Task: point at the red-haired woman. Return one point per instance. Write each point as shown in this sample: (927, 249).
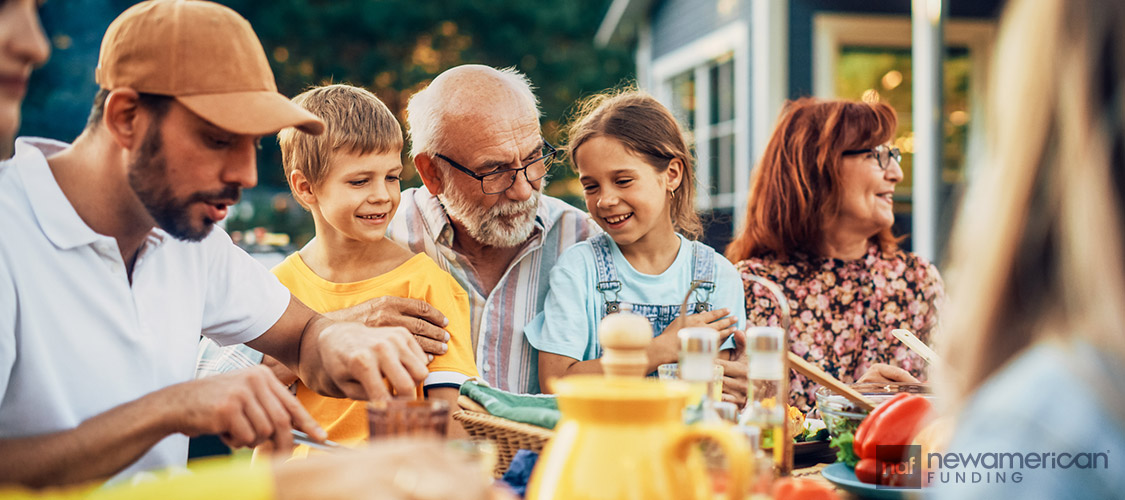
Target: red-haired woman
(819, 226)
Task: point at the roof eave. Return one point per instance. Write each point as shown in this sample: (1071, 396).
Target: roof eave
(621, 20)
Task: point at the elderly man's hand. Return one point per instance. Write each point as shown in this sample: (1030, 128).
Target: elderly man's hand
(352, 360)
(424, 321)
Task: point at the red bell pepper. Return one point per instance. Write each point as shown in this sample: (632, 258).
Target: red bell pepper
(895, 422)
(865, 471)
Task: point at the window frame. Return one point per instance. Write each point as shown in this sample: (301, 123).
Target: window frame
(698, 57)
(833, 31)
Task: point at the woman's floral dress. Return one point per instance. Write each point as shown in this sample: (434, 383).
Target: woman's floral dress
(844, 311)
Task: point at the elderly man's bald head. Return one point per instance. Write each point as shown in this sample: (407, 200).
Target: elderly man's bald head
(465, 94)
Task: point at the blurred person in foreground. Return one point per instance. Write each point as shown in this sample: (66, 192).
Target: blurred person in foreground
(818, 224)
(390, 470)
(1035, 347)
(117, 268)
(22, 47)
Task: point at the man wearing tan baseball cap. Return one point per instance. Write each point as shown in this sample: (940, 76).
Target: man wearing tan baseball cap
(207, 57)
(110, 267)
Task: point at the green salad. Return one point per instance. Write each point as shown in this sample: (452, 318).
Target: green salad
(845, 451)
(811, 433)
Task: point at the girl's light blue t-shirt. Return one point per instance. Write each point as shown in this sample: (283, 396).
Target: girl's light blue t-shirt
(568, 323)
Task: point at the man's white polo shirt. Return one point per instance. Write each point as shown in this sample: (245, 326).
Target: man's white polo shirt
(76, 339)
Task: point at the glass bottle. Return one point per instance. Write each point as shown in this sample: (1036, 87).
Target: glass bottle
(698, 348)
(765, 415)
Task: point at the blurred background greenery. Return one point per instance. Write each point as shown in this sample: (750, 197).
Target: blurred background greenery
(391, 47)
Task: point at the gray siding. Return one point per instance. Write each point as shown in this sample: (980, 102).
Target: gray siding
(676, 23)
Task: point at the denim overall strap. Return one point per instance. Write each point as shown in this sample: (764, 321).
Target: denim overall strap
(608, 283)
(660, 316)
(702, 276)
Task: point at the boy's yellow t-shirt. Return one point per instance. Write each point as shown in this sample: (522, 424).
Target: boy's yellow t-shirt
(420, 278)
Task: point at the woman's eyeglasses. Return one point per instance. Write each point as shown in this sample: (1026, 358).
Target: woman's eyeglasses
(882, 153)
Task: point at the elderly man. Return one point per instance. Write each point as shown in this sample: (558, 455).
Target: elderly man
(110, 267)
(482, 215)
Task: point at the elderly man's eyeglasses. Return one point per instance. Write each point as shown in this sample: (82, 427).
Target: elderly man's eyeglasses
(498, 181)
(882, 153)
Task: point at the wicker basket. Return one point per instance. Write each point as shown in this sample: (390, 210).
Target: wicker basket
(508, 435)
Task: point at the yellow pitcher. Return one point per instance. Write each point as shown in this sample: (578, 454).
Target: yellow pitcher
(622, 438)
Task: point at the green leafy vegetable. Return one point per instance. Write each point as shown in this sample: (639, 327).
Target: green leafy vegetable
(844, 449)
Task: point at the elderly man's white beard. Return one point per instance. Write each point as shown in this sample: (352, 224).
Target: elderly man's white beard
(505, 225)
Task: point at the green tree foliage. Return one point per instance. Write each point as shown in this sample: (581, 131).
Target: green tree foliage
(395, 47)
(391, 47)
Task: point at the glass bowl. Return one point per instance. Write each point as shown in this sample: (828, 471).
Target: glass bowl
(842, 416)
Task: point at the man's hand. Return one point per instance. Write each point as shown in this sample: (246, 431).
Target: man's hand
(344, 359)
(246, 407)
(351, 360)
(420, 318)
(881, 373)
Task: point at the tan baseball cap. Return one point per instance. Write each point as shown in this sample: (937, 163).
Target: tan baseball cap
(204, 55)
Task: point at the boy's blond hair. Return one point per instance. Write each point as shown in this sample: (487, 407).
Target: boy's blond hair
(355, 122)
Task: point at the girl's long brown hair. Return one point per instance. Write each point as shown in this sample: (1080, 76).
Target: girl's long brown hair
(647, 129)
(795, 188)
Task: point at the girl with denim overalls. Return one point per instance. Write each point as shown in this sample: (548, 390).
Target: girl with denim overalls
(636, 173)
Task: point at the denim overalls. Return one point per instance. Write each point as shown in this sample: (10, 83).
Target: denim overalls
(660, 315)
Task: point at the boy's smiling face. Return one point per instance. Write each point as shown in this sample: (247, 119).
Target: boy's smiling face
(359, 196)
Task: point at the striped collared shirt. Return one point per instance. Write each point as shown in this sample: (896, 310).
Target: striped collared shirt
(504, 358)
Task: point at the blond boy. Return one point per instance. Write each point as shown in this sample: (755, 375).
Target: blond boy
(348, 179)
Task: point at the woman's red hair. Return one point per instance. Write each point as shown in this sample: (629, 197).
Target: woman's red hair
(796, 186)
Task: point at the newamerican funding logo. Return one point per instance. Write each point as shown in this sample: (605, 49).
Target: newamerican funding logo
(905, 467)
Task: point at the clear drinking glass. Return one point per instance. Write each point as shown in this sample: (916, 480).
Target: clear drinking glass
(671, 371)
(407, 417)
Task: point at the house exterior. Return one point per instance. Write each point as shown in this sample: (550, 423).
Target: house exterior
(726, 67)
